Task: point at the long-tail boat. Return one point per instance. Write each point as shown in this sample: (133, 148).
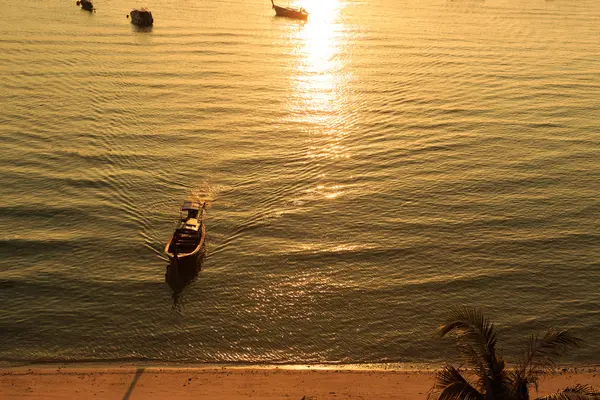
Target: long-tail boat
(290, 12)
(141, 17)
(188, 238)
(86, 5)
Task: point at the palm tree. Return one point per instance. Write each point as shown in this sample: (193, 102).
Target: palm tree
(476, 339)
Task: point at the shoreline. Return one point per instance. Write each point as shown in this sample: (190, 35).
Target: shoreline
(131, 381)
(395, 367)
(421, 367)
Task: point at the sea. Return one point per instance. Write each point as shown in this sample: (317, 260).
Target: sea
(365, 173)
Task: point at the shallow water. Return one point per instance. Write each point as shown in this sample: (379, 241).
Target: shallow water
(365, 172)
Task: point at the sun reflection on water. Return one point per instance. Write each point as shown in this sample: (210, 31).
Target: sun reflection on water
(319, 104)
(320, 37)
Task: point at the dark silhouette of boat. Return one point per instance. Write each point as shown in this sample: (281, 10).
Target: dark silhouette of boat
(290, 12)
(180, 276)
(188, 238)
(141, 17)
(86, 5)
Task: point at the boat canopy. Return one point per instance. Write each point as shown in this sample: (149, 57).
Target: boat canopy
(192, 224)
(190, 205)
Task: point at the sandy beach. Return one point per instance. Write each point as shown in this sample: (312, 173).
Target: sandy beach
(131, 382)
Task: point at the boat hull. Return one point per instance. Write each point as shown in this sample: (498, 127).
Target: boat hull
(188, 257)
(85, 5)
(141, 18)
(290, 13)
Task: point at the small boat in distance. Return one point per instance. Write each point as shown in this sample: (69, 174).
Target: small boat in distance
(141, 17)
(86, 5)
(290, 12)
(188, 238)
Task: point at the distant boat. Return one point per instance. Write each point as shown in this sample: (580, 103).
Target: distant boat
(188, 238)
(290, 12)
(86, 5)
(141, 17)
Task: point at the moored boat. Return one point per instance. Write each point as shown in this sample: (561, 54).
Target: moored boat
(86, 5)
(187, 240)
(141, 17)
(290, 12)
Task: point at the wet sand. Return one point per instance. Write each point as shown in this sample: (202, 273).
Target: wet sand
(227, 383)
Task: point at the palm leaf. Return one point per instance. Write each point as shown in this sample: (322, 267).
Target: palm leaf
(472, 329)
(450, 385)
(577, 392)
(479, 365)
(542, 353)
(476, 337)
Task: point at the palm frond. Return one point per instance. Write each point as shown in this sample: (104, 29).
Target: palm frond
(472, 327)
(478, 364)
(476, 337)
(577, 392)
(542, 353)
(450, 385)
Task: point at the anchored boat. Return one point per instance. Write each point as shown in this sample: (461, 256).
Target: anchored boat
(188, 238)
(141, 17)
(86, 5)
(290, 12)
